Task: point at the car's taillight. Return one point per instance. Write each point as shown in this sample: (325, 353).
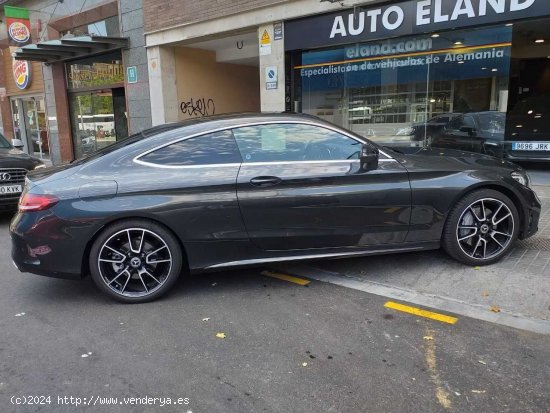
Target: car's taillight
(36, 202)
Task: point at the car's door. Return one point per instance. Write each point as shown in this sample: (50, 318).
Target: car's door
(191, 183)
(301, 186)
(461, 134)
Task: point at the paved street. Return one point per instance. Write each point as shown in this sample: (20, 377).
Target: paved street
(63, 338)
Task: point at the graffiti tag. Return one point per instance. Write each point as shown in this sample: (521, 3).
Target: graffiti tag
(198, 107)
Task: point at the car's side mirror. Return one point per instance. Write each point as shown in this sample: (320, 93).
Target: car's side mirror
(17, 143)
(369, 158)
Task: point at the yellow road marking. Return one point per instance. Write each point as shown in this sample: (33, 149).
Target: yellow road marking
(421, 313)
(284, 277)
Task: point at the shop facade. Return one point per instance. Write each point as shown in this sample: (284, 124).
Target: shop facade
(469, 76)
(81, 55)
(460, 74)
(23, 100)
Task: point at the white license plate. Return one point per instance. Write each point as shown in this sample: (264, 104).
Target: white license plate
(10, 189)
(531, 146)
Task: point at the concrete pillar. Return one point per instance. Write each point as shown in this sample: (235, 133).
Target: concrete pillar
(162, 85)
(272, 100)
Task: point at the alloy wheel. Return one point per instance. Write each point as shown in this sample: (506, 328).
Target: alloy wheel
(134, 262)
(485, 229)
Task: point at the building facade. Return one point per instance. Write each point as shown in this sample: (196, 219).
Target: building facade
(87, 84)
(464, 74)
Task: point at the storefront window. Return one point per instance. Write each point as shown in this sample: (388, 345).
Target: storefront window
(405, 93)
(95, 71)
(97, 102)
(97, 120)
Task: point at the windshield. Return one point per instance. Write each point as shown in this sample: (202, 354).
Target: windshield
(492, 122)
(4, 144)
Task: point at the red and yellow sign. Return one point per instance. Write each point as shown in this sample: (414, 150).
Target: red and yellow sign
(19, 31)
(19, 34)
(19, 25)
(22, 73)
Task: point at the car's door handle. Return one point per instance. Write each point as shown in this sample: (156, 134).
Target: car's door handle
(265, 181)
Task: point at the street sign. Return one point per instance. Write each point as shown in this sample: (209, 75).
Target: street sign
(278, 31)
(271, 77)
(131, 74)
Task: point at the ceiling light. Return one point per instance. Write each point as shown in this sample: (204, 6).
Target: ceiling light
(432, 100)
(494, 70)
(435, 35)
(509, 24)
(458, 43)
(530, 112)
(539, 41)
(461, 63)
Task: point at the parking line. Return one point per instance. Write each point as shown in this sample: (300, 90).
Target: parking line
(421, 313)
(284, 277)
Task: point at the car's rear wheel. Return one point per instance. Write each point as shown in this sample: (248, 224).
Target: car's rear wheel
(135, 261)
(481, 228)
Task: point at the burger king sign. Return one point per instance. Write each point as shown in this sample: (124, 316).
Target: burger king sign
(22, 73)
(19, 32)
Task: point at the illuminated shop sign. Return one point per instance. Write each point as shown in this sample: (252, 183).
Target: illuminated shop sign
(405, 18)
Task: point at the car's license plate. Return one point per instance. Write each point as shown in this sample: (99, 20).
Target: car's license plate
(10, 189)
(531, 146)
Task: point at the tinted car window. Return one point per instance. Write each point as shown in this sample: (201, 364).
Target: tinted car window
(441, 119)
(212, 148)
(469, 122)
(294, 142)
(456, 123)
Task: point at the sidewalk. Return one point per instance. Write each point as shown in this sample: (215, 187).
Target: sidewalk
(518, 286)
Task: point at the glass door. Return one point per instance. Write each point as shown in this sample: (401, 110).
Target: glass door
(34, 119)
(98, 120)
(30, 126)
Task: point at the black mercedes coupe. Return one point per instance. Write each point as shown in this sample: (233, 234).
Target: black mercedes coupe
(253, 189)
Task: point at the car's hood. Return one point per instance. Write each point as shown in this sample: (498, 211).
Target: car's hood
(451, 159)
(12, 153)
(14, 158)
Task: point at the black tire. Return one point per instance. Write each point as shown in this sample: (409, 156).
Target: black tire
(464, 245)
(122, 256)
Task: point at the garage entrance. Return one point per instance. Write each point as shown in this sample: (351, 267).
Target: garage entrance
(217, 76)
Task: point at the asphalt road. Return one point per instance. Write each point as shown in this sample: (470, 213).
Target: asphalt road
(64, 339)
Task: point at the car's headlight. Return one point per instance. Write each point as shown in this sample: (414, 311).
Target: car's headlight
(39, 166)
(522, 178)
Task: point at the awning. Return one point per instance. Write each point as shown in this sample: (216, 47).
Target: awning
(68, 48)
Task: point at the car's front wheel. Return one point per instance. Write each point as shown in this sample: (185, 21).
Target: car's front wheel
(135, 261)
(481, 228)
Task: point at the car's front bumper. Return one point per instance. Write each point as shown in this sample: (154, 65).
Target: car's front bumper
(531, 213)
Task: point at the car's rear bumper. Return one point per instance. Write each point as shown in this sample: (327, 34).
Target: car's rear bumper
(27, 259)
(41, 245)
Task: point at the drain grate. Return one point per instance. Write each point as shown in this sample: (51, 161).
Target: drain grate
(538, 244)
